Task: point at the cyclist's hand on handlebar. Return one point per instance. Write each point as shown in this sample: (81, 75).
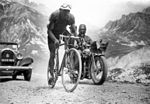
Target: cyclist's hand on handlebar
(56, 42)
(76, 45)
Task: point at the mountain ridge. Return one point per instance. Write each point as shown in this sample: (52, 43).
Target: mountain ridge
(24, 25)
(129, 47)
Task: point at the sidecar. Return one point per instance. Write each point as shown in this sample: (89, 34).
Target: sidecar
(12, 62)
(99, 46)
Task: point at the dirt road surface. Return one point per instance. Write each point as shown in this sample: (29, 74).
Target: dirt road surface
(37, 92)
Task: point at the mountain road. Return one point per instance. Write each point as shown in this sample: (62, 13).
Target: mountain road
(37, 91)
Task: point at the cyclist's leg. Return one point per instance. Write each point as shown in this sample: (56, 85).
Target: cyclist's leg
(51, 60)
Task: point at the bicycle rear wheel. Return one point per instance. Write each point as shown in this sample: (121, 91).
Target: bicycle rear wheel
(71, 70)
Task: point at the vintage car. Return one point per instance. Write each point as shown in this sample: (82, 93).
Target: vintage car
(12, 61)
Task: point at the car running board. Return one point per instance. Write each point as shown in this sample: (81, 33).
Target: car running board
(15, 68)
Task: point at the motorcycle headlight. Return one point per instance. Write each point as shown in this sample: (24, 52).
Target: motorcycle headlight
(86, 52)
(19, 56)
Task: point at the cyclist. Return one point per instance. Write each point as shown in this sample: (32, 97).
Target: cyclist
(58, 22)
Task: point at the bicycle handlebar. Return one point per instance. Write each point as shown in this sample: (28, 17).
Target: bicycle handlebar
(73, 37)
(68, 38)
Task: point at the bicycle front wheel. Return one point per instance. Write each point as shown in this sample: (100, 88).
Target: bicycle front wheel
(71, 70)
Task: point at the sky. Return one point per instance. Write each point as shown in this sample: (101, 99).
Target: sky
(97, 13)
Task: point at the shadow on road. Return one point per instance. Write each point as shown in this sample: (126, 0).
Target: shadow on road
(86, 82)
(9, 79)
(56, 88)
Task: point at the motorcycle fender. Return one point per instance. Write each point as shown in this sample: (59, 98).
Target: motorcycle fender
(93, 62)
(26, 61)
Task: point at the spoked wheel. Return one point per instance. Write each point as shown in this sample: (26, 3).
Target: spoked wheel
(27, 75)
(71, 71)
(53, 76)
(99, 70)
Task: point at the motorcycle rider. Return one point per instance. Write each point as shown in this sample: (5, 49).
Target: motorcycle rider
(58, 22)
(84, 39)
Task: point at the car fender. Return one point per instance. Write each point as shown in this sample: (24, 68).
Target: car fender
(26, 61)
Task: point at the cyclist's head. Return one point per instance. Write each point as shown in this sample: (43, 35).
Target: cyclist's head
(82, 29)
(65, 9)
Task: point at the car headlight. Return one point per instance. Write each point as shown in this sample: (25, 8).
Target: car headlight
(19, 56)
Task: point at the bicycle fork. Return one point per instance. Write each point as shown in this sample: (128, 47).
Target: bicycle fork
(64, 62)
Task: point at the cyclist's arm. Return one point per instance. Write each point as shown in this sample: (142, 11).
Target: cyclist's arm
(72, 25)
(50, 27)
(73, 29)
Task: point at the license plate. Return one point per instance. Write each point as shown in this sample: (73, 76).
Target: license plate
(7, 60)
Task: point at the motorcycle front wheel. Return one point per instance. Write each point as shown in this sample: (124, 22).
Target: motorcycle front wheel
(99, 70)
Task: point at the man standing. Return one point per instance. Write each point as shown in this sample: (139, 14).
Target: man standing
(58, 22)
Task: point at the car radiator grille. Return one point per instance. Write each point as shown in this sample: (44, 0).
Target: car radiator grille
(7, 58)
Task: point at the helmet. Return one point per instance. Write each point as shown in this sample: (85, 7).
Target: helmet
(82, 29)
(65, 7)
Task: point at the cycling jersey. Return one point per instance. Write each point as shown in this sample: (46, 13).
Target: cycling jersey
(60, 23)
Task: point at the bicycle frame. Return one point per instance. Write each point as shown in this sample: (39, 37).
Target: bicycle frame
(71, 65)
(66, 50)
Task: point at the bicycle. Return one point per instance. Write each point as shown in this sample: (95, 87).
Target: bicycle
(70, 68)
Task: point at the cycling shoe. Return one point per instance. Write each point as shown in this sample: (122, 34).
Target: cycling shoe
(51, 81)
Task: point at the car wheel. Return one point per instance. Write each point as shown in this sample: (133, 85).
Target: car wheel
(14, 75)
(27, 75)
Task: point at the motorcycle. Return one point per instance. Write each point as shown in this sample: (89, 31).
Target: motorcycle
(94, 65)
